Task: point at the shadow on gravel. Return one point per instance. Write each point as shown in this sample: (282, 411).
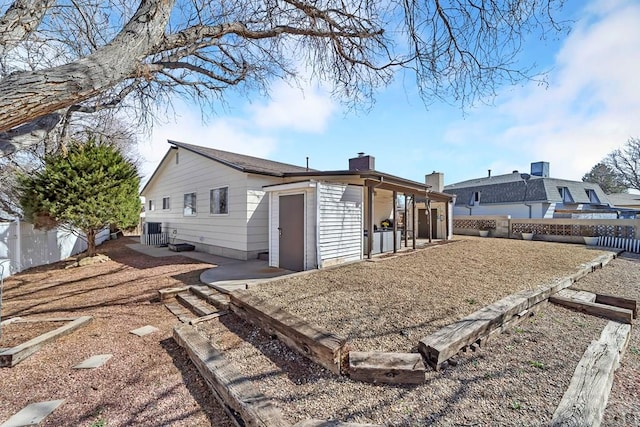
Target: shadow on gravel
(196, 385)
(298, 368)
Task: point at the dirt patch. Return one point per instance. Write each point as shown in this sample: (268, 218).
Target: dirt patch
(390, 305)
(149, 381)
(15, 333)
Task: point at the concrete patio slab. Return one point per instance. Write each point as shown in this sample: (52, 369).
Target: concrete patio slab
(32, 414)
(145, 330)
(93, 361)
(160, 252)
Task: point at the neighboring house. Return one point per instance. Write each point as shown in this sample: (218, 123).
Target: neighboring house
(625, 200)
(530, 195)
(241, 206)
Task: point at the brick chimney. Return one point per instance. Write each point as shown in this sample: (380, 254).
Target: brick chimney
(362, 163)
(435, 180)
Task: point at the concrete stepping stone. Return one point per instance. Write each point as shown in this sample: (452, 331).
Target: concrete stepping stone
(32, 414)
(93, 361)
(145, 330)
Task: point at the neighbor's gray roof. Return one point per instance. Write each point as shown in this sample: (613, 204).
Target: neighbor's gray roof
(242, 162)
(624, 199)
(510, 188)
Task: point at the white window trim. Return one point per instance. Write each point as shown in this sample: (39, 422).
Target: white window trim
(228, 198)
(169, 208)
(196, 205)
(151, 205)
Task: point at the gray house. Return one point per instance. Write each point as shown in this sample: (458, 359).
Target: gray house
(530, 195)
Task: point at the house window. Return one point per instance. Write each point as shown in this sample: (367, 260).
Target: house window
(219, 200)
(152, 205)
(189, 204)
(177, 158)
(165, 203)
(593, 197)
(565, 195)
(475, 198)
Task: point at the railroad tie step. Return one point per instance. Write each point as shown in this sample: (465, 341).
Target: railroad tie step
(178, 310)
(195, 304)
(213, 297)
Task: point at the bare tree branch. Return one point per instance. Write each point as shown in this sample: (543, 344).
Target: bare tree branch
(459, 50)
(20, 20)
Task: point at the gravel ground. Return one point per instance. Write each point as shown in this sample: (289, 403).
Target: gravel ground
(149, 381)
(390, 305)
(621, 278)
(14, 334)
(517, 379)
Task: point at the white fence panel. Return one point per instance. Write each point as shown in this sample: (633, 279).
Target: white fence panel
(22, 246)
(9, 246)
(630, 245)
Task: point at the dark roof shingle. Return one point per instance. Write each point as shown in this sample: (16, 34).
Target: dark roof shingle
(243, 162)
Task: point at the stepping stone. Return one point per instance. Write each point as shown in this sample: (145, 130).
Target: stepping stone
(32, 414)
(93, 362)
(145, 330)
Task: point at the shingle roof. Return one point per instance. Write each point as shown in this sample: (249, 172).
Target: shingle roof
(242, 162)
(511, 188)
(624, 199)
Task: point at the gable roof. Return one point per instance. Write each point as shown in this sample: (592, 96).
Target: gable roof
(256, 165)
(511, 188)
(241, 162)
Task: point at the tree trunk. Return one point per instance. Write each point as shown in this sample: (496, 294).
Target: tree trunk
(22, 18)
(29, 95)
(91, 242)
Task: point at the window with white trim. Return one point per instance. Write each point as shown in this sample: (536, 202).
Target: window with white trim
(189, 204)
(152, 205)
(219, 201)
(165, 203)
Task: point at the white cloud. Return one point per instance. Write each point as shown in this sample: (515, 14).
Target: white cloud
(305, 109)
(256, 133)
(592, 103)
(225, 133)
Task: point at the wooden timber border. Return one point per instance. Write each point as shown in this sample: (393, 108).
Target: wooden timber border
(238, 396)
(15, 355)
(322, 347)
(471, 330)
(585, 400)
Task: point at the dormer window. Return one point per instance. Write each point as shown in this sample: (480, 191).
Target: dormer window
(475, 198)
(593, 197)
(565, 195)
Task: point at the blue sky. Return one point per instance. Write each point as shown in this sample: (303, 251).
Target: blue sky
(590, 107)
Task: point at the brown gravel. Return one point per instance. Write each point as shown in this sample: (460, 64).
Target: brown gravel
(392, 304)
(621, 278)
(14, 334)
(516, 380)
(148, 382)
